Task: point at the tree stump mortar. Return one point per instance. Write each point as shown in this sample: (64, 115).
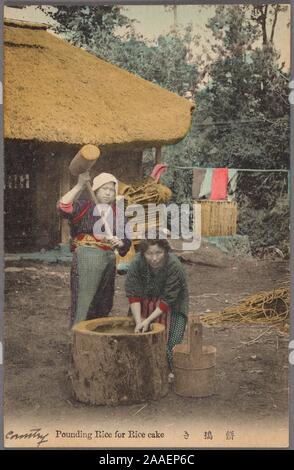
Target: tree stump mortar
(111, 365)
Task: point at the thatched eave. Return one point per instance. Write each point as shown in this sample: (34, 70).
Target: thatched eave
(55, 92)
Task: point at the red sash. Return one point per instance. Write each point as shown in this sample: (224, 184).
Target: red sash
(85, 209)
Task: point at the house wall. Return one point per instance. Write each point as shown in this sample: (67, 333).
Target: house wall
(125, 165)
(31, 220)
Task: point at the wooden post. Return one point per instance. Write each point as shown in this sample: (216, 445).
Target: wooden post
(64, 188)
(157, 155)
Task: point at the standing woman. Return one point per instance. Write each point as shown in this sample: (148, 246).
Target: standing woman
(94, 262)
(157, 290)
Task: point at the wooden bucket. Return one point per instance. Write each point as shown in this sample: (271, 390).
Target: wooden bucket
(194, 364)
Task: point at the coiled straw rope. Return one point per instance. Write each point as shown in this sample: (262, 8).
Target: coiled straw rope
(264, 308)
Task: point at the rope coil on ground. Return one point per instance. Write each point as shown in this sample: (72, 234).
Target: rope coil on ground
(264, 307)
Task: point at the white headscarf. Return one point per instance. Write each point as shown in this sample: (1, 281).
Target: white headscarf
(102, 179)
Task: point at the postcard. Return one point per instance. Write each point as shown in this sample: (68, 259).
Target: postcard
(146, 225)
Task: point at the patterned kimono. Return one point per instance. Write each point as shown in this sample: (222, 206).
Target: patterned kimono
(94, 263)
(165, 288)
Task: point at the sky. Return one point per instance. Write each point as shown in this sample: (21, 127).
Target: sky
(153, 20)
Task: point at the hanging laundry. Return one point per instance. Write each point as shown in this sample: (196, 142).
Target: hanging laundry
(232, 185)
(198, 177)
(206, 185)
(224, 179)
(158, 171)
(219, 185)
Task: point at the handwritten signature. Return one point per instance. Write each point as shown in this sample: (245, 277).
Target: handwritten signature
(35, 433)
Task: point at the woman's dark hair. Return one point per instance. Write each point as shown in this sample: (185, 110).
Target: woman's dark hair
(162, 243)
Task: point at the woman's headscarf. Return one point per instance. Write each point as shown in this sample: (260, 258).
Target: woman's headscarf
(102, 179)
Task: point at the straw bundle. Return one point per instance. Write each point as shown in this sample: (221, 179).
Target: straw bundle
(264, 307)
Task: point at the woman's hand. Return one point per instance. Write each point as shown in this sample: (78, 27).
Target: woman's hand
(138, 327)
(116, 242)
(143, 326)
(71, 195)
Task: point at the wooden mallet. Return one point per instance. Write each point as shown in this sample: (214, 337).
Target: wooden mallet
(83, 161)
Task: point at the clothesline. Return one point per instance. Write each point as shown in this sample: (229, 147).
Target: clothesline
(221, 183)
(242, 123)
(237, 169)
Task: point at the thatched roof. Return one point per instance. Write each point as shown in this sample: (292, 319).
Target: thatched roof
(55, 92)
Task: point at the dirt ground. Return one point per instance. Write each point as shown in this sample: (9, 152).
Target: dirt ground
(252, 379)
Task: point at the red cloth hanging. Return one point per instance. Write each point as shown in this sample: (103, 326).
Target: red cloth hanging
(158, 171)
(219, 185)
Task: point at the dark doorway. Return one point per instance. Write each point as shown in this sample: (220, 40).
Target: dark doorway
(19, 205)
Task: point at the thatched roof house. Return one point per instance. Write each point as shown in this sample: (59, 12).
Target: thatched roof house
(59, 97)
(59, 93)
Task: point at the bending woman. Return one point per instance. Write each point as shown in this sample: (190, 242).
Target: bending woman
(94, 262)
(157, 290)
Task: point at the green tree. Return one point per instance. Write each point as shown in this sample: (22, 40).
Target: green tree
(165, 62)
(106, 32)
(242, 120)
(244, 108)
(85, 26)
